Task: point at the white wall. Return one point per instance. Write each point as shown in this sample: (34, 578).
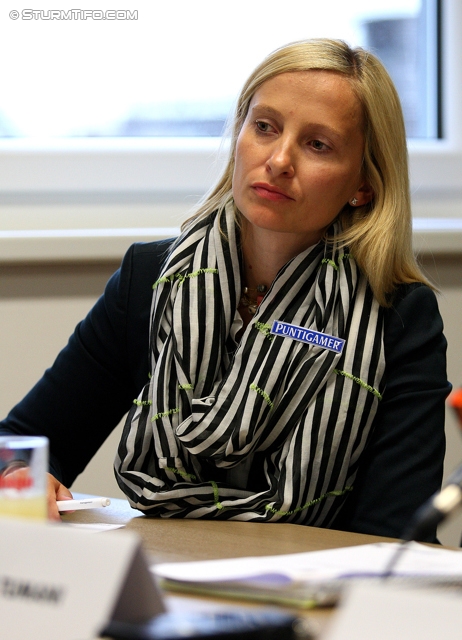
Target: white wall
(39, 308)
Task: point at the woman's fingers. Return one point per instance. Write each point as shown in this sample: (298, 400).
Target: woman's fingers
(56, 491)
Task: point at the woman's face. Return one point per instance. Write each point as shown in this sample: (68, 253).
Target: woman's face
(299, 154)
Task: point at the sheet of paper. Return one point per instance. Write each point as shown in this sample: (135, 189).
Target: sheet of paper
(95, 527)
(417, 560)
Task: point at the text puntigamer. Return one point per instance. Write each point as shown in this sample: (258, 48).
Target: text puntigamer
(307, 335)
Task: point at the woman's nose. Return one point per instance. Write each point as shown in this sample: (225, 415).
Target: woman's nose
(281, 159)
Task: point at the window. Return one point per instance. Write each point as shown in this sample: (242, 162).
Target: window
(174, 69)
(84, 101)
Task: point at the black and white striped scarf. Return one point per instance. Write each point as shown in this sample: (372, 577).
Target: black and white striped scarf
(214, 409)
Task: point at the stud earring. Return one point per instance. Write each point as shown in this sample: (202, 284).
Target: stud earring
(354, 202)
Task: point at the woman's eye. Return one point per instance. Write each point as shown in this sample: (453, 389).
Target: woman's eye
(318, 145)
(264, 127)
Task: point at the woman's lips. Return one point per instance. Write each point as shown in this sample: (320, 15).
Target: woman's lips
(268, 192)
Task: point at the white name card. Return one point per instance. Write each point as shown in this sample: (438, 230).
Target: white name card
(384, 612)
(59, 583)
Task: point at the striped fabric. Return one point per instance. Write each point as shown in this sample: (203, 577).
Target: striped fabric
(214, 408)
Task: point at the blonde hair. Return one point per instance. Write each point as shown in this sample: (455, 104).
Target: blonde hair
(378, 234)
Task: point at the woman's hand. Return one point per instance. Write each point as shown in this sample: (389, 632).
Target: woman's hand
(56, 491)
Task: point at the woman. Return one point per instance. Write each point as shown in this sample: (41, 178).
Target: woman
(296, 357)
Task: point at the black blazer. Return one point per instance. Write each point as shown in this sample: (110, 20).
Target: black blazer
(95, 378)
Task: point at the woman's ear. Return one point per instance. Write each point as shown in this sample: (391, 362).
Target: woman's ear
(362, 196)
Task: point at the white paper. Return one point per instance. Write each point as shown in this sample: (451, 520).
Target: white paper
(417, 560)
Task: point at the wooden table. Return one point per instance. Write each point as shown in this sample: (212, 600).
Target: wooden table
(167, 540)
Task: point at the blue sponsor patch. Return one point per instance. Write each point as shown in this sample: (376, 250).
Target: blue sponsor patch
(323, 340)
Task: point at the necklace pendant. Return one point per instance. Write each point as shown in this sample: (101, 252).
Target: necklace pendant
(248, 303)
